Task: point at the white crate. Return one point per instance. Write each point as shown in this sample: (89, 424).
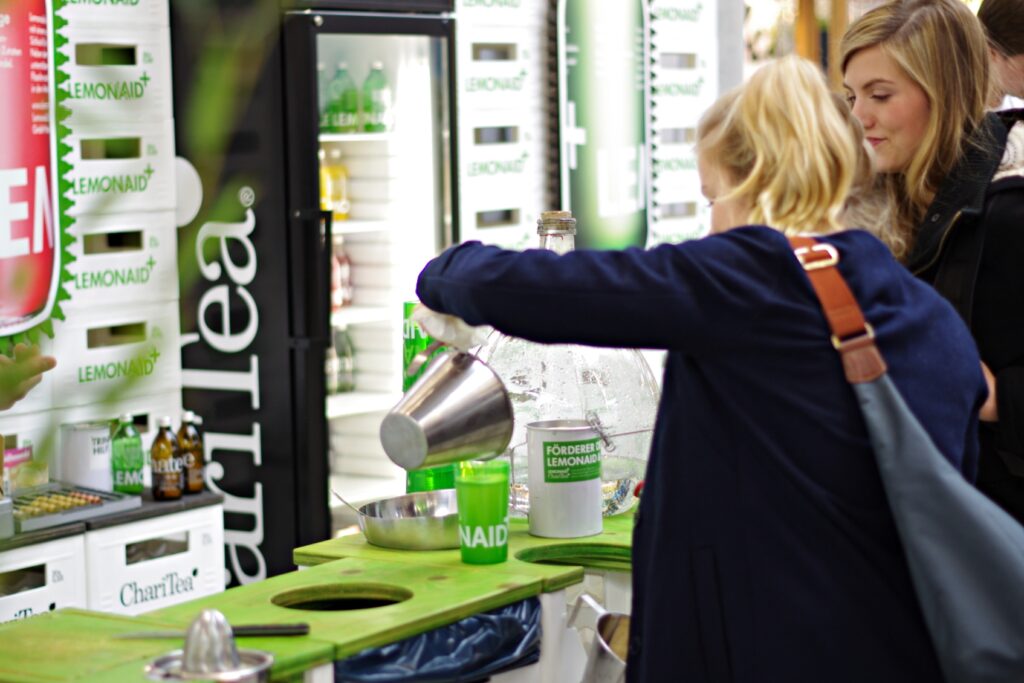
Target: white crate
(693, 24)
(107, 14)
(60, 565)
(137, 88)
(510, 222)
(131, 258)
(119, 352)
(193, 567)
(483, 13)
(500, 68)
(40, 398)
(119, 185)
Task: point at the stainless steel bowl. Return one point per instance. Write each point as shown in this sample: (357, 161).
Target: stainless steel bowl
(416, 521)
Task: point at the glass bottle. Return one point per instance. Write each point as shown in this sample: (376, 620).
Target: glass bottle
(128, 460)
(339, 203)
(168, 477)
(376, 100)
(332, 367)
(346, 353)
(341, 109)
(341, 277)
(613, 389)
(326, 183)
(190, 443)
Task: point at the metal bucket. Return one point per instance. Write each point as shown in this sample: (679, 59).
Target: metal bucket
(606, 661)
(458, 410)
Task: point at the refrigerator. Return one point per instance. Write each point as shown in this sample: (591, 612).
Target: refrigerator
(259, 247)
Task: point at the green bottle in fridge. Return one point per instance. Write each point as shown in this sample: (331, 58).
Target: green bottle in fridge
(376, 100)
(414, 340)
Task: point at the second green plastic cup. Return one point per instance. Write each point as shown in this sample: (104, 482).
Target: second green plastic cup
(481, 488)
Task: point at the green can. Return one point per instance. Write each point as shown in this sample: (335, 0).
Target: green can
(413, 342)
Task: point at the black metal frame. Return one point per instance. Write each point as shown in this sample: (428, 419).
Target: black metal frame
(309, 233)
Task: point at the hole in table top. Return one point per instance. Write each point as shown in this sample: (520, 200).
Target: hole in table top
(340, 597)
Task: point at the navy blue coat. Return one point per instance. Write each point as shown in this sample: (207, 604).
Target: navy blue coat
(764, 550)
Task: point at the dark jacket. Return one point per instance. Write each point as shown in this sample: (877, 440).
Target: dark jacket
(970, 246)
(764, 549)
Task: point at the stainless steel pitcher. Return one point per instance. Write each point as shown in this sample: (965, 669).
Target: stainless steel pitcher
(606, 660)
(458, 410)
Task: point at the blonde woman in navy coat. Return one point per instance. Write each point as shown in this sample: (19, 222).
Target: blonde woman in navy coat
(764, 549)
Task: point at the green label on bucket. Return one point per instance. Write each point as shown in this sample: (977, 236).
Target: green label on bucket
(566, 461)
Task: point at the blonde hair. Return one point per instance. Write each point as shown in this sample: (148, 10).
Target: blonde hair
(783, 142)
(941, 46)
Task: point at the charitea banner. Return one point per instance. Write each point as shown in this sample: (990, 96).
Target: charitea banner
(604, 72)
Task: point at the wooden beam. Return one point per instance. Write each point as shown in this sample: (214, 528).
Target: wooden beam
(806, 37)
(837, 24)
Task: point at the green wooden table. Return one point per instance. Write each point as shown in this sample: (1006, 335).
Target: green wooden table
(557, 562)
(428, 596)
(70, 644)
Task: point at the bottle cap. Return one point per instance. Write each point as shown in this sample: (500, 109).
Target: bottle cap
(165, 421)
(125, 418)
(377, 65)
(552, 222)
(187, 416)
(197, 420)
(342, 65)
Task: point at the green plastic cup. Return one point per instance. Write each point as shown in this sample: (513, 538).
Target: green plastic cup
(481, 488)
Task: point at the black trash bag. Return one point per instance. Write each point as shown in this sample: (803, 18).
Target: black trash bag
(469, 650)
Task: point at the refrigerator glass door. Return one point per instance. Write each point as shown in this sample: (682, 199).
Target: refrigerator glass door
(384, 158)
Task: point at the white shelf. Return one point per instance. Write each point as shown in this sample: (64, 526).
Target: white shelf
(348, 227)
(356, 137)
(354, 315)
(359, 489)
(359, 403)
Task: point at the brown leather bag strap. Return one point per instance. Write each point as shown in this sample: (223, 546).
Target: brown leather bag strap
(852, 335)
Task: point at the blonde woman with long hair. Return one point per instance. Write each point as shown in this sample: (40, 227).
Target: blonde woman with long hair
(763, 546)
(917, 76)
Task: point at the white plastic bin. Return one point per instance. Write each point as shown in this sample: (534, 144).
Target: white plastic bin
(108, 14)
(123, 258)
(189, 564)
(117, 352)
(117, 73)
(43, 577)
(121, 167)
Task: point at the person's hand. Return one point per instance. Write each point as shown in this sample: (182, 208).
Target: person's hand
(20, 372)
(451, 331)
(990, 409)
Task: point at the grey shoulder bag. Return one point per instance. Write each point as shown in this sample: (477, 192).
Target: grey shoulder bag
(966, 556)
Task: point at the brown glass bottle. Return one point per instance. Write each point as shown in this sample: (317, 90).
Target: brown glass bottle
(190, 442)
(168, 476)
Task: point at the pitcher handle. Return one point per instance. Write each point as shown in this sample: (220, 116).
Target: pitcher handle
(585, 613)
(421, 358)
